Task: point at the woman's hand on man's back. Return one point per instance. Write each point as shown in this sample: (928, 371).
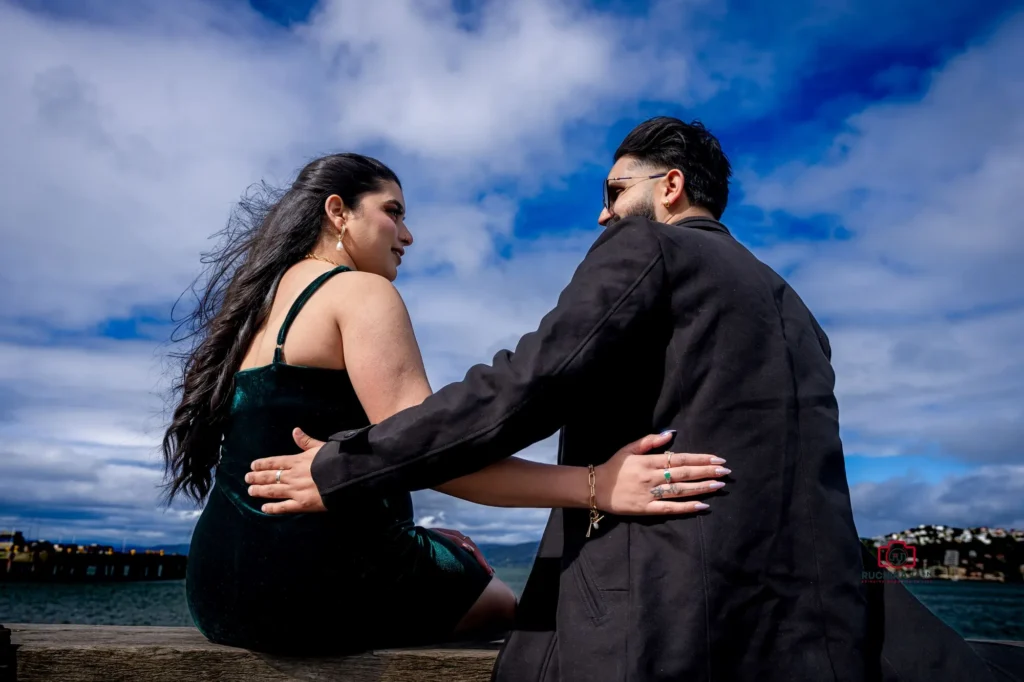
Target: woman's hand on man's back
(634, 482)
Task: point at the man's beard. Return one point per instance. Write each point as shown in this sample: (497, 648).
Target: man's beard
(644, 208)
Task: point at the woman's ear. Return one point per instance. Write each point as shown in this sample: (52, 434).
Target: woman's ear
(334, 207)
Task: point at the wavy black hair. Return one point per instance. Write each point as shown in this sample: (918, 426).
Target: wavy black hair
(269, 231)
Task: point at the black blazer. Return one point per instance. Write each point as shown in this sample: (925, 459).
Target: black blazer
(664, 326)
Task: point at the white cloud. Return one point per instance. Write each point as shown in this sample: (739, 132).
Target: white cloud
(460, 235)
(925, 303)
(79, 430)
(411, 76)
(120, 367)
(96, 491)
(950, 385)
(127, 145)
(482, 524)
(990, 496)
(461, 321)
(929, 189)
(123, 151)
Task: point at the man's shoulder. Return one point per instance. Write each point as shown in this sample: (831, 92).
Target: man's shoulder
(630, 232)
(640, 229)
(643, 228)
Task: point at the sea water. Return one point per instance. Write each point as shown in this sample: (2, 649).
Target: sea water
(977, 610)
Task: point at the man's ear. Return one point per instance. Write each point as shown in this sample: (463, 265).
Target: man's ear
(675, 186)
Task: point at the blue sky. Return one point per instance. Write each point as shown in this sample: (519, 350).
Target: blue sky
(878, 148)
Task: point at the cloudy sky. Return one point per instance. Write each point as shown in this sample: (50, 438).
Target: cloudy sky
(879, 150)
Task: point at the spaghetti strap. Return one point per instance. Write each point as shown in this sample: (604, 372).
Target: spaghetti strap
(297, 306)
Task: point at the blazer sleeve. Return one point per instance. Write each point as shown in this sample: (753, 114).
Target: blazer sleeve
(521, 397)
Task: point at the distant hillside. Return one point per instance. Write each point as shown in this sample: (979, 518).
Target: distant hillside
(510, 556)
(170, 549)
(980, 553)
(505, 556)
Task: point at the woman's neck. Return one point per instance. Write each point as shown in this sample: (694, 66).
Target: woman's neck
(329, 253)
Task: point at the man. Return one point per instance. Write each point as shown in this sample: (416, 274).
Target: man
(668, 322)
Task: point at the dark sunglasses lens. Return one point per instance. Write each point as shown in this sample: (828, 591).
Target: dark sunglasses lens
(610, 195)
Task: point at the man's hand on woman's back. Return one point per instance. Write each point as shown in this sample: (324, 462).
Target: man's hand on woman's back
(287, 478)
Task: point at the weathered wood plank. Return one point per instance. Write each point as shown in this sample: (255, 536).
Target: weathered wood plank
(78, 653)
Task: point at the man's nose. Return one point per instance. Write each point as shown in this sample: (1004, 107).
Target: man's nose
(605, 216)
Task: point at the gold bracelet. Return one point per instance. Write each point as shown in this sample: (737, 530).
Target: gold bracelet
(595, 516)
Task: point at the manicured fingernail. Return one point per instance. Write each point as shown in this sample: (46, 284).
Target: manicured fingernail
(701, 506)
(263, 509)
(666, 432)
(249, 490)
(248, 478)
(722, 471)
(717, 460)
(716, 484)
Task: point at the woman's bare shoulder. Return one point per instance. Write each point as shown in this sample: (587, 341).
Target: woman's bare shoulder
(362, 295)
(365, 283)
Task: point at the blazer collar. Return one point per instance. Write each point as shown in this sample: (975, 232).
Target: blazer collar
(701, 223)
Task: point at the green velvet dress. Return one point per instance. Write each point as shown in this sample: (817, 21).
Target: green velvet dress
(337, 582)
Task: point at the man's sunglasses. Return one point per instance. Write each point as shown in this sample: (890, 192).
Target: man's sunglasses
(612, 193)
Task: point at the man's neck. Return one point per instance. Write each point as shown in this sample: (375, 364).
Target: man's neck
(688, 212)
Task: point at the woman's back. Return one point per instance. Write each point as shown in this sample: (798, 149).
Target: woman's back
(338, 566)
(238, 551)
(271, 398)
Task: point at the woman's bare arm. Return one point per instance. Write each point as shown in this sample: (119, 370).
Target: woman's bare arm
(385, 365)
(515, 482)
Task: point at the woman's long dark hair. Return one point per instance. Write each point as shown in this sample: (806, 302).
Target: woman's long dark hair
(268, 232)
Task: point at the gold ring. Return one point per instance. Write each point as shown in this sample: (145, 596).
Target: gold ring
(668, 464)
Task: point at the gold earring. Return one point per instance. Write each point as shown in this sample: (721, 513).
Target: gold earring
(341, 233)
(666, 203)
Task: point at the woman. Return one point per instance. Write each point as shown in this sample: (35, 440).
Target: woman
(300, 324)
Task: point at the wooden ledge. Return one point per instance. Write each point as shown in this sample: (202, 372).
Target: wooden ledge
(76, 653)
(80, 653)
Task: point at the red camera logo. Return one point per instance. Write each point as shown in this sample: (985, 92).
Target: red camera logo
(897, 554)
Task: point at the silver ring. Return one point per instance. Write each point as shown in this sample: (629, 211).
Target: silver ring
(277, 477)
